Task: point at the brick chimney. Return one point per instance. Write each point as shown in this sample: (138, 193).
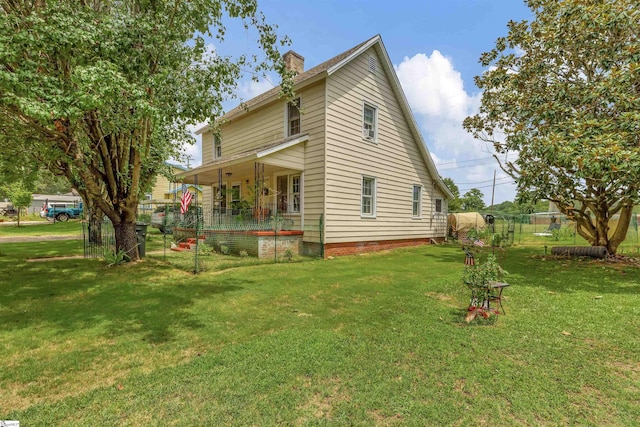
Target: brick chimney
(294, 62)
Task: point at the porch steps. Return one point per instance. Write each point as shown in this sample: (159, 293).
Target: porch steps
(187, 245)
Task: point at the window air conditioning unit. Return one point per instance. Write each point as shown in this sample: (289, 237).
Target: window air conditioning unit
(369, 133)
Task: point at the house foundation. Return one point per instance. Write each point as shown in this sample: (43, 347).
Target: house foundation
(260, 244)
(352, 248)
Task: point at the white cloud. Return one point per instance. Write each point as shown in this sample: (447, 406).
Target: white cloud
(436, 94)
(210, 52)
(250, 89)
(436, 88)
(193, 151)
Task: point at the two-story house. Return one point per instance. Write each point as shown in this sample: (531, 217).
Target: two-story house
(165, 190)
(344, 161)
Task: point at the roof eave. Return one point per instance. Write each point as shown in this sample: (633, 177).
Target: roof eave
(371, 42)
(263, 103)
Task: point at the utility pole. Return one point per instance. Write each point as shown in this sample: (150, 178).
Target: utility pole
(188, 158)
(493, 190)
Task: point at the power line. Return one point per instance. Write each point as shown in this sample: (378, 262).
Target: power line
(483, 186)
(463, 161)
(481, 182)
(465, 166)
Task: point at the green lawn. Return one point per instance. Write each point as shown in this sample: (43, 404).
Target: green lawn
(45, 228)
(364, 340)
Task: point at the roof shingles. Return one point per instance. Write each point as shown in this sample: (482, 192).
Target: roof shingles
(301, 78)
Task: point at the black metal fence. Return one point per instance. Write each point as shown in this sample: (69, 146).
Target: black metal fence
(98, 238)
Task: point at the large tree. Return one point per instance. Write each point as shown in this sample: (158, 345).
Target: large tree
(561, 105)
(472, 201)
(455, 203)
(101, 91)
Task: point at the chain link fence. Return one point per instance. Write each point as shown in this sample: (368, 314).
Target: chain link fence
(197, 242)
(206, 239)
(539, 229)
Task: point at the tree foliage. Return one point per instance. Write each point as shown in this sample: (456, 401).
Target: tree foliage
(454, 203)
(472, 201)
(561, 103)
(47, 183)
(511, 208)
(100, 92)
(20, 195)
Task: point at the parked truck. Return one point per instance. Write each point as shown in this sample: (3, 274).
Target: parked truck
(62, 211)
(9, 211)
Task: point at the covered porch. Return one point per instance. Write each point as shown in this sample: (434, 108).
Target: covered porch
(257, 190)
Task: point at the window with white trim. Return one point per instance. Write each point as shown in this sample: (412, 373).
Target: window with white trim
(217, 147)
(289, 190)
(368, 204)
(293, 117)
(369, 122)
(235, 195)
(147, 206)
(417, 201)
(438, 205)
(295, 193)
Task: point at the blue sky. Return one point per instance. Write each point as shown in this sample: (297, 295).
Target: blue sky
(434, 46)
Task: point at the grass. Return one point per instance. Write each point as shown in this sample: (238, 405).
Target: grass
(45, 228)
(367, 340)
(525, 235)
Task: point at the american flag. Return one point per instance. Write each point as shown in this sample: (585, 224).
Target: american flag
(185, 200)
(479, 243)
(468, 258)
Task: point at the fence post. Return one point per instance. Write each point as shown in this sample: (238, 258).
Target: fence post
(321, 225)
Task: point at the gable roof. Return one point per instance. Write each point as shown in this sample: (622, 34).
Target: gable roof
(328, 68)
(408, 114)
(179, 188)
(299, 81)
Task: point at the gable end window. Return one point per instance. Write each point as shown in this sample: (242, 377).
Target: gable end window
(369, 122)
(368, 203)
(293, 117)
(417, 201)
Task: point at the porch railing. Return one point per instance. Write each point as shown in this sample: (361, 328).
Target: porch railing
(238, 219)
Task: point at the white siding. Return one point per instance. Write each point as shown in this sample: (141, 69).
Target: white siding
(207, 147)
(291, 158)
(265, 126)
(394, 160)
(313, 121)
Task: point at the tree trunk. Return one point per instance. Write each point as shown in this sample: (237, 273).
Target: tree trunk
(126, 239)
(620, 233)
(596, 230)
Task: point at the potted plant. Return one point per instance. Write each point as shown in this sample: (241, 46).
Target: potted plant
(478, 278)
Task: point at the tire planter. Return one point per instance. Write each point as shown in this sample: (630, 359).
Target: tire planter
(576, 251)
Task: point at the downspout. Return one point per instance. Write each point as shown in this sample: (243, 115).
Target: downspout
(433, 201)
(323, 216)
